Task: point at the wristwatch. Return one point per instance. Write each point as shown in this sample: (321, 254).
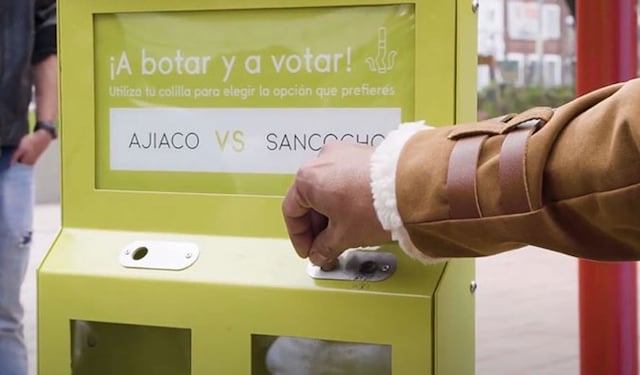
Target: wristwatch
(48, 127)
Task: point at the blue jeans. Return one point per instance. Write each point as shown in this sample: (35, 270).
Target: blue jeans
(16, 216)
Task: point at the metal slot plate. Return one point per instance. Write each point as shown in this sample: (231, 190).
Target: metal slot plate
(358, 265)
(160, 255)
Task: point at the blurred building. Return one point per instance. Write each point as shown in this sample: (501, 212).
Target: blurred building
(525, 42)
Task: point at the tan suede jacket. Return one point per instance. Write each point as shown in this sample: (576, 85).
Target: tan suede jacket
(566, 179)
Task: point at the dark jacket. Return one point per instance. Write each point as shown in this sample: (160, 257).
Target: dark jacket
(566, 179)
(27, 36)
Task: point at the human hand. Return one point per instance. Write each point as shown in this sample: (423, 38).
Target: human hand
(31, 147)
(329, 207)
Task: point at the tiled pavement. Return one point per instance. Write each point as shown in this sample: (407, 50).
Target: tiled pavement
(526, 307)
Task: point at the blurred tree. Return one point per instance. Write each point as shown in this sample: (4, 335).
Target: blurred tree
(499, 100)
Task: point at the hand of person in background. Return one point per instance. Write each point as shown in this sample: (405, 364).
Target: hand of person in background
(31, 147)
(329, 208)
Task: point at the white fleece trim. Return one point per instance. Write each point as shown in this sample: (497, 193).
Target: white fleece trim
(384, 162)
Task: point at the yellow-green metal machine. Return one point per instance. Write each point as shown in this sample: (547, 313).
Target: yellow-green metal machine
(183, 123)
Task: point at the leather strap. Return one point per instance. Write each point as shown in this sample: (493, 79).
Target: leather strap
(514, 191)
(461, 178)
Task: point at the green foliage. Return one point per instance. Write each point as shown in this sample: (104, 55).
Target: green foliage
(498, 100)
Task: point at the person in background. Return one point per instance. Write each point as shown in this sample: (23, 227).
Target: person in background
(27, 59)
(564, 179)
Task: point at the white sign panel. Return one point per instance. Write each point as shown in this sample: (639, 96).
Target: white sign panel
(255, 140)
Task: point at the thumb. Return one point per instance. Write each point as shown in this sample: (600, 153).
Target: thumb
(17, 155)
(325, 249)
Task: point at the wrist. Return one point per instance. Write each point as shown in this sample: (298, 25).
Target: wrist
(46, 127)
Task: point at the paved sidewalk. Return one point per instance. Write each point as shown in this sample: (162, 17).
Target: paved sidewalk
(527, 314)
(46, 226)
(527, 321)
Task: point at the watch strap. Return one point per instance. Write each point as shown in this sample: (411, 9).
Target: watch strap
(48, 127)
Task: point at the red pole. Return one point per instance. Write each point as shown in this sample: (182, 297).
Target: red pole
(607, 53)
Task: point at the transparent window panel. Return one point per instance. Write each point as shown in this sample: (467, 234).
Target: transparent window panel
(99, 348)
(282, 355)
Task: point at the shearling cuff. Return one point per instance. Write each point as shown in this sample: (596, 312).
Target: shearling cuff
(383, 186)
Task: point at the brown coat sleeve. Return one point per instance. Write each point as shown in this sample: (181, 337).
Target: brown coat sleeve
(566, 179)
